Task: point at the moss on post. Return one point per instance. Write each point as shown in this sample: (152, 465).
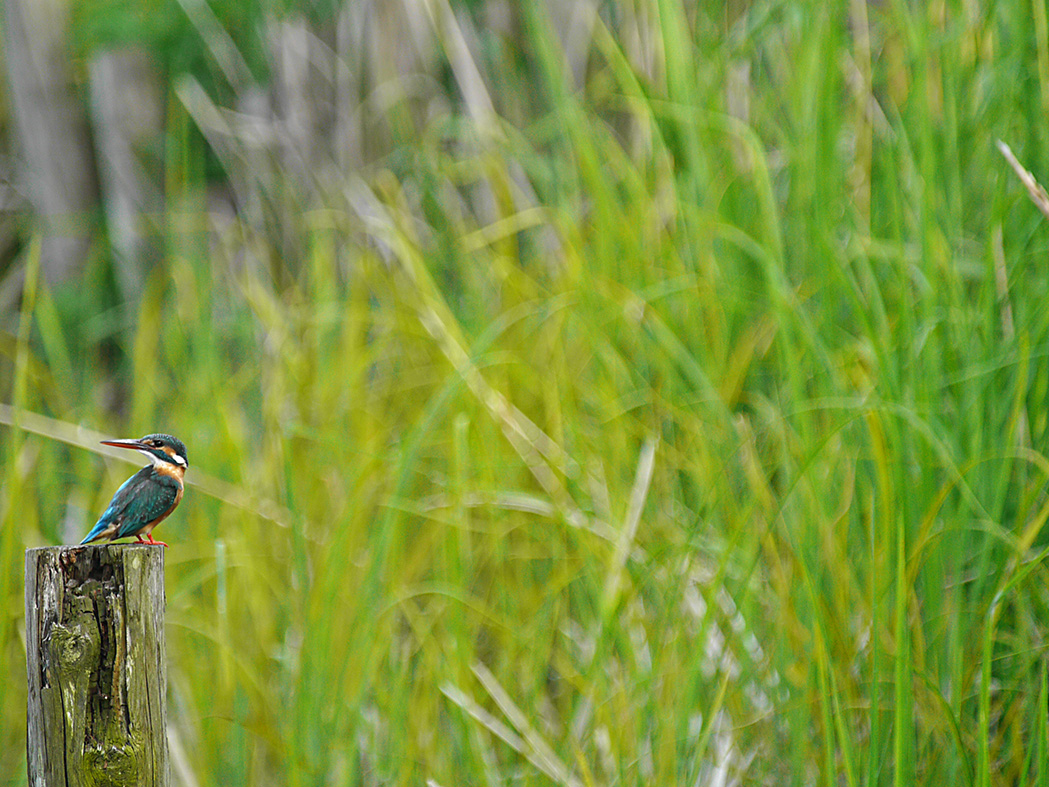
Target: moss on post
(96, 667)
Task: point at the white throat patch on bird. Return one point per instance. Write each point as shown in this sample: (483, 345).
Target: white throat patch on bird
(171, 457)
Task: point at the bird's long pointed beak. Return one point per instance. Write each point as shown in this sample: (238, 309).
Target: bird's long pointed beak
(132, 444)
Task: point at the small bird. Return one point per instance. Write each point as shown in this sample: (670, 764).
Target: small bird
(145, 499)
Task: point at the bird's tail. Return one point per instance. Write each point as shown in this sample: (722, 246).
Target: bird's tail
(96, 532)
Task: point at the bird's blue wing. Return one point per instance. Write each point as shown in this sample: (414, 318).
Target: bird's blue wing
(117, 510)
(154, 500)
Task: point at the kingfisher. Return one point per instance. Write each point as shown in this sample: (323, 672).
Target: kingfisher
(144, 500)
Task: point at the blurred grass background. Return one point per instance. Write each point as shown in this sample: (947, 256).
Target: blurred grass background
(640, 392)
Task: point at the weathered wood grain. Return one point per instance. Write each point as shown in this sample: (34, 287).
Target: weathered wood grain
(96, 666)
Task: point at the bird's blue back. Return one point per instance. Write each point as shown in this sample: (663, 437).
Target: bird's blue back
(139, 500)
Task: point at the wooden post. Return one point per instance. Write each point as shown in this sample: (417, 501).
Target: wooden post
(97, 672)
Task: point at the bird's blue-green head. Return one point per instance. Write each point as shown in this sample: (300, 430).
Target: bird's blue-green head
(162, 449)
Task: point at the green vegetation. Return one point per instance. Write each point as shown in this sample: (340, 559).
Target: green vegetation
(689, 419)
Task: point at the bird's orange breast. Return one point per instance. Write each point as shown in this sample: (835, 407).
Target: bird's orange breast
(172, 471)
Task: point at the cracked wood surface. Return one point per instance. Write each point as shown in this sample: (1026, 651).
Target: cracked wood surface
(96, 666)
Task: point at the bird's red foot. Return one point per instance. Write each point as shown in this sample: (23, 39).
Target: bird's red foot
(149, 540)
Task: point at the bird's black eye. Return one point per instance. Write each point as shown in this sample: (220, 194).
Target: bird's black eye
(157, 443)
